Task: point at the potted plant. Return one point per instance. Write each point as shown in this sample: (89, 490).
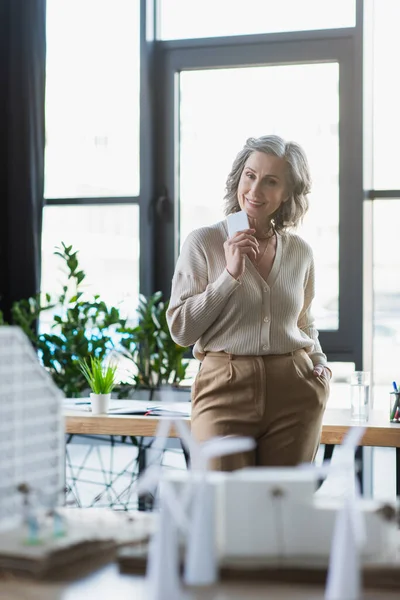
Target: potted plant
(101, 380)
(80, 326)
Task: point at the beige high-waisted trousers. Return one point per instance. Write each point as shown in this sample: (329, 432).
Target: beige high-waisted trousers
(275, 399)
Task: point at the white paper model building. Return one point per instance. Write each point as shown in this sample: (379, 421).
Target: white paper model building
(31, 429)
(266, 513)
(276, 513)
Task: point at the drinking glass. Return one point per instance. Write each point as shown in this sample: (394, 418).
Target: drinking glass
(360, 386)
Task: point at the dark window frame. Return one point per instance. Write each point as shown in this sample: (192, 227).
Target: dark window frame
(316, 46)
(158, 218)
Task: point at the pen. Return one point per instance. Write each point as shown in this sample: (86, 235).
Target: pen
(394, 384)
(76, 403)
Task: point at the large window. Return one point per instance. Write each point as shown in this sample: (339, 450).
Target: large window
(92, 98)
(190, 99)
(107, 240)
(386, 277)
(92, 167)
(216, 94)
(386, 125)
(385, 213)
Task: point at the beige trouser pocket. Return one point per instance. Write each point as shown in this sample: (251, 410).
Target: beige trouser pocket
(275, 399)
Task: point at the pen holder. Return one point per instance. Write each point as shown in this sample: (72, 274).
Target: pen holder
(359, 403)
(394, 406)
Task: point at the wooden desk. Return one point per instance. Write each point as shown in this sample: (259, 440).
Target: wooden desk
(379, 431)
(88, 424)
(107, 583)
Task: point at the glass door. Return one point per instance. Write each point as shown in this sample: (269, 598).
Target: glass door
(301, 91)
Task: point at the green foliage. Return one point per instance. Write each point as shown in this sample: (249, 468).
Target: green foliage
(80, 328)
(141, 344)
(150, 346)
(83, 330)
(101, 379)
(173, 355)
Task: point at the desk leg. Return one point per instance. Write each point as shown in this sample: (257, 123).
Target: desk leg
(328, 452)
(359, 457)
(398, 472)
(144, 450)
(147, 456)
(142, 463)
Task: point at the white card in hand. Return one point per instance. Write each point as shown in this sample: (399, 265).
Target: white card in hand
(237, 222)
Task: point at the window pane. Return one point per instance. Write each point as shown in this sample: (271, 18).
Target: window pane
(339, 396)
(92, 98)
(107, 238)
(208, 18)
(386, 94)
(386, 282)
(214, 127)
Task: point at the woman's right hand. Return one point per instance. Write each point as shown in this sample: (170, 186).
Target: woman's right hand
(242, 244)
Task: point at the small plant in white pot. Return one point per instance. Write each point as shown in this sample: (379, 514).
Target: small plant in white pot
(101, 380)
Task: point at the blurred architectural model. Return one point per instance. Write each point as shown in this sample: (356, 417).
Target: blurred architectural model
(31, 432)
(274, 513)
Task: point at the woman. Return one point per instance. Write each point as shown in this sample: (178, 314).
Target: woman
(245, 303)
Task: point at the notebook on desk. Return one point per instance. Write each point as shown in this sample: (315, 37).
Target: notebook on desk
(134, 407)
(150, 411)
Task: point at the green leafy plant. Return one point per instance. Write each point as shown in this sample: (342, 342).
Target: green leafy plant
(158, 359)
(173, 354)
(101, 378)
(79, 328)
(140, 343)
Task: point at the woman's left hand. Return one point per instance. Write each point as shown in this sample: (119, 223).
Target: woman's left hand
(320, 370)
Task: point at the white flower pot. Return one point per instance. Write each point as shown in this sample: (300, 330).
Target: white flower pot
(100, 403)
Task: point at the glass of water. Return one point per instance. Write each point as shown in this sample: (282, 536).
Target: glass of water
(360, 383)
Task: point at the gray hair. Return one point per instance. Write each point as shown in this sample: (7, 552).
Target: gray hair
(291, 212)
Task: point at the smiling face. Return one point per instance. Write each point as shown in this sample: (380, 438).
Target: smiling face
(262, 186)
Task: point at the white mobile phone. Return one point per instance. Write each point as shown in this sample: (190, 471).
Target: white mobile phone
(237, 222)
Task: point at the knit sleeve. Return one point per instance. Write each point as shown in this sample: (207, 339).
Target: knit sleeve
(306, 319)
(195, 302)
